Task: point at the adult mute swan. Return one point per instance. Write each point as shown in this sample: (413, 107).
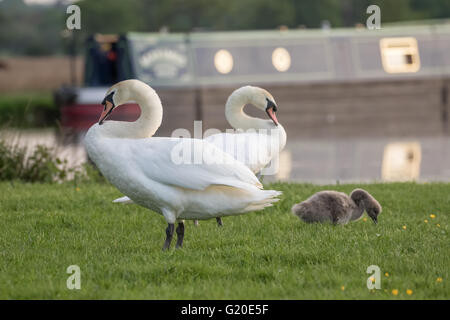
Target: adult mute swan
(257, 141)
(149, 173)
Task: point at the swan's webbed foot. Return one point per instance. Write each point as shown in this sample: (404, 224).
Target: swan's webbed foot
(180, 235)
(169, 236)
(219, 221)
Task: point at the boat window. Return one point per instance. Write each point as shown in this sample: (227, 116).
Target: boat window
(400, 55)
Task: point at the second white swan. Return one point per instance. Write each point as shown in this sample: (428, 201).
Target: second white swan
(256, 141)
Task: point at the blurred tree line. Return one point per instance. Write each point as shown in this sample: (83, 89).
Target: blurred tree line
(38, 29)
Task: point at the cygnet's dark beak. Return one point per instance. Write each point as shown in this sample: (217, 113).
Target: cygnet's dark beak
(375, 220)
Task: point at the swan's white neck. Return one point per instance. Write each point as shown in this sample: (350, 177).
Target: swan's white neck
(238, 119)
(149, 121)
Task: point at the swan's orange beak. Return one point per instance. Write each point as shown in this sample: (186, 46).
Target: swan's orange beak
(106, 111)
(272, 115)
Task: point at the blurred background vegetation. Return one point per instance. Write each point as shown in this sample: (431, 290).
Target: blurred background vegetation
(34, 40)
(36, 30)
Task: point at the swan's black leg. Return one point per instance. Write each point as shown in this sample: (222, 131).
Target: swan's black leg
(180, 235)
(169, 236)
(196, 223)
(219, 221)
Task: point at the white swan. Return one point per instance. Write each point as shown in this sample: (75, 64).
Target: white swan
(144, 169)
(259, 141)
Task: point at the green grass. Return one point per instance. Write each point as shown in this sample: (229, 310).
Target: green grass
(266, 255)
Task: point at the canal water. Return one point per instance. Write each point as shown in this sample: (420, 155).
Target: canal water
(319, 161)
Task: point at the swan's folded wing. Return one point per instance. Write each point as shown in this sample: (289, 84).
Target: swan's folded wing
(189, 163)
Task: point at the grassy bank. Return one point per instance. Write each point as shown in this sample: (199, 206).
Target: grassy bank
(28, 110)
(266, 255)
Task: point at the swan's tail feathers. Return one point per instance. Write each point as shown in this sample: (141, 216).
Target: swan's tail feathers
(257, 207)
(124, 200)
(267, 200)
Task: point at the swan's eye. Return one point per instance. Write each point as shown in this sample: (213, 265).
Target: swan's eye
(108, 98)
(271, 105)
